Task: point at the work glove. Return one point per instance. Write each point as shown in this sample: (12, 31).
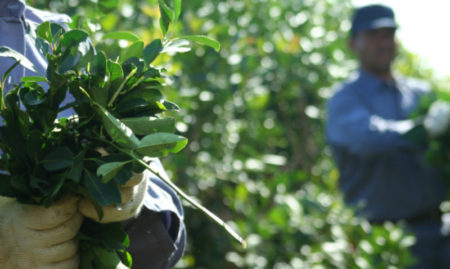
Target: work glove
(37, 237)
(132, 194)
(437, 120)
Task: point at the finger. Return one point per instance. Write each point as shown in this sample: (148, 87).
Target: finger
(42, 218)
(126, 193)
(57, 253)
(63, 233)
(72, 263)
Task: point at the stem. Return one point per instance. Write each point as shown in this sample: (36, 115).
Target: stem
(196, 204)
(116, 93)
(2, 103)
(180, 192)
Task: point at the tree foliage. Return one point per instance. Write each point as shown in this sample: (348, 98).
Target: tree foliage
(254, 115)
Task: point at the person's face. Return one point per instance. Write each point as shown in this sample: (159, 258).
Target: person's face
(376, 49)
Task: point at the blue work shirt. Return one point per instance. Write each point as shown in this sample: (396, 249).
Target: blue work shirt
(381, 173)
(158, 242)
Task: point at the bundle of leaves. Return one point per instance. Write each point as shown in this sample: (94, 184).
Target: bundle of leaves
(117, 107)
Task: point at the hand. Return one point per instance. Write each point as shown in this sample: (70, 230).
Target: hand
(38, 237)
(437, 120)
(132, 194)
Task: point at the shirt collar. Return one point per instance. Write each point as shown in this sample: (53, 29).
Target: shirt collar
(12, 8)
(370, 84)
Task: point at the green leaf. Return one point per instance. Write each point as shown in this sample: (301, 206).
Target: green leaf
(140, 99)
(33, 79)
(107, 6)
(77, 169)
(58, 159)
(73, 37)
(117, 130)
(161, 144)
(110, 235)
(166, 16)
(42, 45)
(121, 35)
(122, 177)
(203, 40)
(88, 196)
(126, 258)
(124, 108)
(104, 194)
(21, 183)
(109, 170)
(10, 53)
(68, 61)
(152, 51)
(98, 65)
(149, 94)
(44, 31)
(135, 50)
(49, 31)
(115, 70)
(57, 30)
(170, 105)
(176, 9)
(148, 125)
(5, 186)
(33, 97)
(35, 140)
(108, 259)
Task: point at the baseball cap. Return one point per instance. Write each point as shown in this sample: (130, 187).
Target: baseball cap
(372, 17)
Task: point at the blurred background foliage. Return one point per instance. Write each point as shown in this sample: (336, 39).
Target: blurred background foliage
(254, 115)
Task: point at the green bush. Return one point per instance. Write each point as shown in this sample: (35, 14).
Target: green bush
(254, 115)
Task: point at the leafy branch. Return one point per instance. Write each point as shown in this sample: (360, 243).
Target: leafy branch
(118, 107)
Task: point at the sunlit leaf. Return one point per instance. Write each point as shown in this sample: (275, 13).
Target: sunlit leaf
(161, 144)
(148, 125)
(203, 40)
(108, 170)
(11, 53)
(121, 35)
(117, 130)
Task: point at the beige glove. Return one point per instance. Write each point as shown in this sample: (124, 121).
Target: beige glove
(38, 237)
(132, 193)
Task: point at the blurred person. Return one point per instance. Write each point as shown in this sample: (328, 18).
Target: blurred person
(38, 237)
(381, 173)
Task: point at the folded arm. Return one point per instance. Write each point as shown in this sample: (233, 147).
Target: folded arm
(352, 126)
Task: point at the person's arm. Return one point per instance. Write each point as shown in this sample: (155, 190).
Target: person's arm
(351, 126)
(159, 231)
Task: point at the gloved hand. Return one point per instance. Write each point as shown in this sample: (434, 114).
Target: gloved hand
(437, 120)
(132, 193)
(38, 237)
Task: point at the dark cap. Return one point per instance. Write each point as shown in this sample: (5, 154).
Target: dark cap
(372, 17)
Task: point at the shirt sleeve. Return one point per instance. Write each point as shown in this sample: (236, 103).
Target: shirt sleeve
(163, 237)
(352, 127)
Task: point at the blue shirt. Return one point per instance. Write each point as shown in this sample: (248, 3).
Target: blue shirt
(381, 173)
(17, 31)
